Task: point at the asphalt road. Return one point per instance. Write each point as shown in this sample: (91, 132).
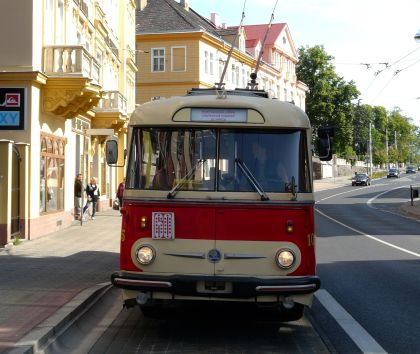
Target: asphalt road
(369, 262)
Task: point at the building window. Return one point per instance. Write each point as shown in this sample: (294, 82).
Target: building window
(158, 59)
(51, 173)
(49, 22)
(237, 76)
(211, 64)
(206, 62)
(233, 74)
(285, 95)
(179, 57)
(221, 67)
(243, 78)
(60, 23)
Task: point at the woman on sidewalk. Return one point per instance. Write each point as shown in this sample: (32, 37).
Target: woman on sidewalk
(93, 194)
(120, 193)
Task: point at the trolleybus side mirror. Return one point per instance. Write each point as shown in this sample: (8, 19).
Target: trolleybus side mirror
(111, 151)
(324, 144)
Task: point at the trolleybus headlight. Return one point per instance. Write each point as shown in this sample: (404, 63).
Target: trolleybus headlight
(145, 254)
(285, 258)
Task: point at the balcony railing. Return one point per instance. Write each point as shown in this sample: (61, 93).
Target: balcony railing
(112, 101)
(71, 60)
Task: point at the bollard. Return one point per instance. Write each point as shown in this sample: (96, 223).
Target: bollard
(414, 193)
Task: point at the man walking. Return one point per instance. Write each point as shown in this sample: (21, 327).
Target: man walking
(93, 194)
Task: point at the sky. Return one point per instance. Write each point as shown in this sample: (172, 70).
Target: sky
(379, 33)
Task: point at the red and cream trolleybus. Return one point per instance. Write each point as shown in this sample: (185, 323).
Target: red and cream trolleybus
(218, 203)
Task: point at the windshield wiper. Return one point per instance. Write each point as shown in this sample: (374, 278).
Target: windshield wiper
(184, 179)
(251, 179)
(294, 188)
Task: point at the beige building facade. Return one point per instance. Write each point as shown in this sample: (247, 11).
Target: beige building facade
(67, 71)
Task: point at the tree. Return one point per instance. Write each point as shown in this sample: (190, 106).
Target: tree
(329, 101)
(363, 115)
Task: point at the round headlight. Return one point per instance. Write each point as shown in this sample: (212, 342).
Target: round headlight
(145, 254)
(285, 258)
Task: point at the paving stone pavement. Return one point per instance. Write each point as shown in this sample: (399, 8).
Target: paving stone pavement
(40, 276)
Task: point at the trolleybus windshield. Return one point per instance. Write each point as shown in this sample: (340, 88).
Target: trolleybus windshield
(209, 159)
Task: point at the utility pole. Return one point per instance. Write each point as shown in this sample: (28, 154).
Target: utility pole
(396, 148)
(386, 146)
(370, 149)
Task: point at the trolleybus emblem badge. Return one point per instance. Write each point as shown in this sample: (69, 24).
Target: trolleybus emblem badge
(214, 255)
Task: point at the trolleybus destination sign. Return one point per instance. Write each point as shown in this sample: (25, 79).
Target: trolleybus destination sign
(218, 115)
(12, 108)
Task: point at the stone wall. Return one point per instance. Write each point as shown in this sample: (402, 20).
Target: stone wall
(336, 168)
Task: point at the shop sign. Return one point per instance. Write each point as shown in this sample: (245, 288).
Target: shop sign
(12, 108)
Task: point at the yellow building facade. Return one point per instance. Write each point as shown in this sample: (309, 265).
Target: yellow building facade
(67, 71)
(179, 49)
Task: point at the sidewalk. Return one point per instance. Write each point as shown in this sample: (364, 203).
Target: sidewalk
(332, 182)
(39, 277)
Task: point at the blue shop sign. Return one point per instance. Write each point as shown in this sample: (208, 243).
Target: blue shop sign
(12, 108)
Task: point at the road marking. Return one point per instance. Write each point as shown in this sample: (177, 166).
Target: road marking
(369, 202)
(371, 205)
(334, 195)
(369, 236)
(349, 191)
(353, 329)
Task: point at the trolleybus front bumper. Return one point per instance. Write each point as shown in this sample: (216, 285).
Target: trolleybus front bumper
(238, 287)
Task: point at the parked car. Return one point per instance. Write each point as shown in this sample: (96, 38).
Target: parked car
(361, 179)
(410, 169)
(393, 172)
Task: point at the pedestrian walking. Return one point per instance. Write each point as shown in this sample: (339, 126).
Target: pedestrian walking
(93, 194)
(78, 189)
(120, 193)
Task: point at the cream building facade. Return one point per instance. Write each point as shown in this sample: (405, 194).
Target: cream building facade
(67, 70)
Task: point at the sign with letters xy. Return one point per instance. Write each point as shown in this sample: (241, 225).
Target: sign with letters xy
(12, 108)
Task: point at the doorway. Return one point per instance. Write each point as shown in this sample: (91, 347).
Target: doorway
(15, 212)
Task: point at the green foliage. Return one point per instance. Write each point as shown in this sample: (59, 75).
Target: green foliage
(378, 174)
(331, 101)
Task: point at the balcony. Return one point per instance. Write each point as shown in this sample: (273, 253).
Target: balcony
(70, 60)
(112, 101)
(73, 85)
(111, 111)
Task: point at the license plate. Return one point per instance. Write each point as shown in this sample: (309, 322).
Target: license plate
(215, 285)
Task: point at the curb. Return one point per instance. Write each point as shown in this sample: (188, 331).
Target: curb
(405, 210)
(44, 333)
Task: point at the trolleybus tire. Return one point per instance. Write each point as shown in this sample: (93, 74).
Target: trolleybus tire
(151, 311)
(293, 314)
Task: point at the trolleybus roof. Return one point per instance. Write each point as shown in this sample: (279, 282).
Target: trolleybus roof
(274, 113)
